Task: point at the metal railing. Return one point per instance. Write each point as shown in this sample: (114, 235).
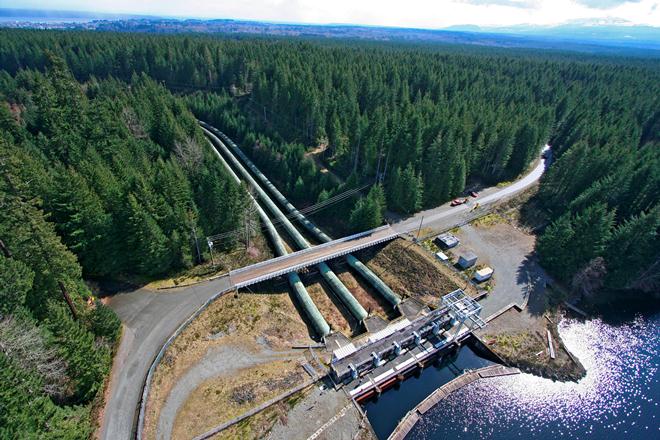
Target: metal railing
(306, 263)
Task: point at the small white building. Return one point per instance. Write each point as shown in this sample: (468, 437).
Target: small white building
(442, 256)
(483, 274)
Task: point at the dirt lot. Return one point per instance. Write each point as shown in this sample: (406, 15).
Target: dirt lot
(413, 271)
(519, 335)
(222, 398)
(249, 325)
(327, 413)
(510, 252)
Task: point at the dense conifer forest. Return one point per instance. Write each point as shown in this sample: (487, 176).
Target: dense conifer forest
(97, 179)
(105, 171)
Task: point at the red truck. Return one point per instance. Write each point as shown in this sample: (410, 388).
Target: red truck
(457, 202)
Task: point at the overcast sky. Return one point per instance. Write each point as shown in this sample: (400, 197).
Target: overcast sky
(407, 13)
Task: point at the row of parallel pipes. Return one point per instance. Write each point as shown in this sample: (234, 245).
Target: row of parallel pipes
(320, 325)
(356, 264)
(328, 275)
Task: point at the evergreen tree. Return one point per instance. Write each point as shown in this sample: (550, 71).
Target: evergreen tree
(81, 220)
(16, 281)
(323, 196)
(32, 240)
(592, 228)
(633, 246)
(410, 189)
(26, 413)
(104, 322)
(87, 363)
(573, 240)
(554, 247)
(368, 211)
(150, 247)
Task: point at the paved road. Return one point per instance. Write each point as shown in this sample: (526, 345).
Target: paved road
(445, 216)
(151, 317)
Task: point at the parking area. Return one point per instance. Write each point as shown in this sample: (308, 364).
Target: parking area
(509, 251)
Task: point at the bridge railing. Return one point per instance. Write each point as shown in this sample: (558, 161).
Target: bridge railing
(308, 263)
(316, 249)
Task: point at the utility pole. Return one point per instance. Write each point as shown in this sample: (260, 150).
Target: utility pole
(250, 224)
(4, 249)
(249, 227)
(199, 254)
(192, 221)
(210, 243)
(380, 156)
(387, 160)
(356, 158)
(420, 228)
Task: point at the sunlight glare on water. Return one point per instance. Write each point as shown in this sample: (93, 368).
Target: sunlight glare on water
(618, 398)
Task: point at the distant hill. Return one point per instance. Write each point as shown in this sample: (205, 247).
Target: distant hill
(590, 37)
(47, 16)
(610, 32)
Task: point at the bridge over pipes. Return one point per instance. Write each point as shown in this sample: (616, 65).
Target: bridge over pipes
(356, 264)
(279, 266)
(340, 290)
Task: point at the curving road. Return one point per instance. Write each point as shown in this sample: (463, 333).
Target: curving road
(150, 317)
(446, 217)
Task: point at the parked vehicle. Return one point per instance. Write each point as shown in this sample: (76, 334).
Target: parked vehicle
(457, 202)
(474, 194)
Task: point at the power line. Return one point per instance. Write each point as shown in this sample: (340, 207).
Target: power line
(309, 210)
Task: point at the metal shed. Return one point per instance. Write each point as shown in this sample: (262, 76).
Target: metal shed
(468, 259)
(442, 256)
(483, 274)
(447, 240)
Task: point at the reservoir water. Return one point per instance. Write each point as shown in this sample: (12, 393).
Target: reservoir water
(617, 399)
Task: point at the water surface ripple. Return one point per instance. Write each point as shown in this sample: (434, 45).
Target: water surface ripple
(618, 398)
